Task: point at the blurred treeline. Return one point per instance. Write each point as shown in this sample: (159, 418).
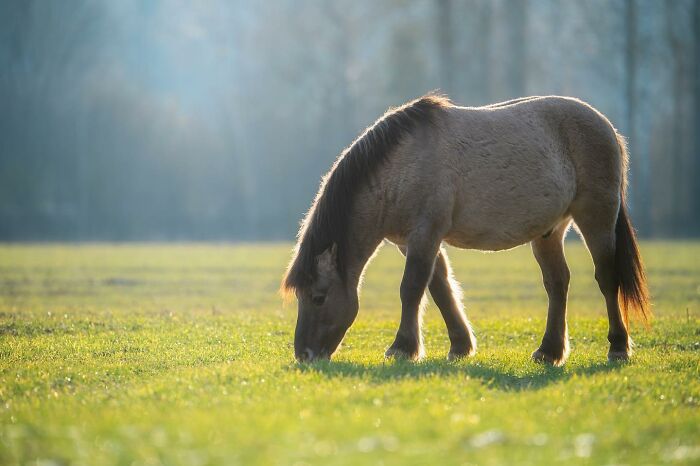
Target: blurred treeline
(170, 119)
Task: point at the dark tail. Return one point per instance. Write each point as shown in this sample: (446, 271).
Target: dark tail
(633, 294)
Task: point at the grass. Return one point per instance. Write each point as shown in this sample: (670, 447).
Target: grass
(182, 354)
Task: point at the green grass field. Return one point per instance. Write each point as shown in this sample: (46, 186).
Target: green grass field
(182, 354)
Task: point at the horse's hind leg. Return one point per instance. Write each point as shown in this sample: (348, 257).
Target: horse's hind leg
(549, 252)
(597, 226)
(447, 296)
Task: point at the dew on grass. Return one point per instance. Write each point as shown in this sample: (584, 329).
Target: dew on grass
(490, 437)
(583, 445)
(683, 453)
(539, 440)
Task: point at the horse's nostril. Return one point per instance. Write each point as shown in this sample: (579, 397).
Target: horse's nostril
(305, 355)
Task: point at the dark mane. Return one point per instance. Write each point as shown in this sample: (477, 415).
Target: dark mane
(327, 220)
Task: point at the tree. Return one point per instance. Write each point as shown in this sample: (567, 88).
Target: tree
(696, 117)
(445, 44)
(640, 187)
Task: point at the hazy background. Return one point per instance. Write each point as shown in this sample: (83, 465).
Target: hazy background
(170, 119)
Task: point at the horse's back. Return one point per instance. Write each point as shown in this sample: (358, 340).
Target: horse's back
(588, 140)
(517, 167)
(497, 176)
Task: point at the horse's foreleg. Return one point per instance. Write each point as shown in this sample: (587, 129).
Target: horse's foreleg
(446, 293)
(549, 253)
(420, 261)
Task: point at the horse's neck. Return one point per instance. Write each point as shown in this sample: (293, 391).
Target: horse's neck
(364, 238)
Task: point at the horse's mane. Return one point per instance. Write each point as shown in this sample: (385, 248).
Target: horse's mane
(327, 221)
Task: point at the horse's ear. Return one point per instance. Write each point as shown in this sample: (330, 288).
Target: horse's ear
(327, 261)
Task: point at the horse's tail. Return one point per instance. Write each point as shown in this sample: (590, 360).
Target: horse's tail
(633, 292)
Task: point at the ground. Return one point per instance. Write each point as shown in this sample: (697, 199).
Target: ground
(182, 354)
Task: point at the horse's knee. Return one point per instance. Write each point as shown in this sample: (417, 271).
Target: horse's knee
(558, 284)
(416, 277)
(409, 291)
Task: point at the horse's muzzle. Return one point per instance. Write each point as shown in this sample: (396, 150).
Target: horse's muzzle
(308, 355)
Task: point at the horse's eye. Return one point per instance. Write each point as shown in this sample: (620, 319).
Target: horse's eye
(318, 300)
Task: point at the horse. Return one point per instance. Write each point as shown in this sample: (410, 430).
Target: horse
(487, 178)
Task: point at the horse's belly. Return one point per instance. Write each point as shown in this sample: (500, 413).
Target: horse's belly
(511, 206)
(499, 238)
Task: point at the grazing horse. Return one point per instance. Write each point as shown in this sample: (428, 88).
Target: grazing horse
(488, 178)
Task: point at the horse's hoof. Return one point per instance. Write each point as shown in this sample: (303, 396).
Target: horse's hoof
(618, 356)
(457, 354)
(402, 354)
(545, 357)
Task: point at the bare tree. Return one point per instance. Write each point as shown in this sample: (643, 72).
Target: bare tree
(696, 116)
(483, 52)
(680, 145)
(516, 68)
(445, 44)
(640, 189)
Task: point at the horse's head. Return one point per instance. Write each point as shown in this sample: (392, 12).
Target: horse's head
(326, 310)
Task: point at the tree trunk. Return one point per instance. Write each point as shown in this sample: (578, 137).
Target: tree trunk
(696, 116)
(483, 54)
(516, 14)
(445, 45)
(639, 166)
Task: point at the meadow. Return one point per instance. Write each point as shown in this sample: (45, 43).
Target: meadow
(182, 354)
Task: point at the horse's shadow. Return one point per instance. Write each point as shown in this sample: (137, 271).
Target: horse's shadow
(501, 378)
